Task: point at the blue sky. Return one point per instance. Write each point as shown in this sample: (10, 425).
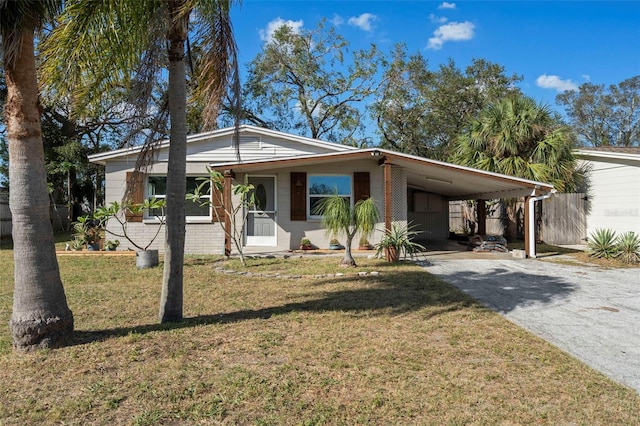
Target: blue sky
(555, 46)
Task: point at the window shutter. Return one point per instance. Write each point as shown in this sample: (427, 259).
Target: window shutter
(361, 187)
(135, 193)
(217, 201)
(298, 196)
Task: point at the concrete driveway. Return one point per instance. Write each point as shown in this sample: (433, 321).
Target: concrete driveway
(589, 312)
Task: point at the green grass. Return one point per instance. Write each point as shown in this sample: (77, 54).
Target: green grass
(401, 348)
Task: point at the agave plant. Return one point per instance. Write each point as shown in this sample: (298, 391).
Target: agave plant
(602, 244)
(628, 246)
(397, 243)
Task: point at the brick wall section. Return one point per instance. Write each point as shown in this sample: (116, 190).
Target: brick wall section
(201, 238)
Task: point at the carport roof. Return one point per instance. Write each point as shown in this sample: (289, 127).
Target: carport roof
(450, 180)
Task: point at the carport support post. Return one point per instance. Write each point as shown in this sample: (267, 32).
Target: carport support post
(482, 217)
(226, 195)
(528, 234)
(387, 201)
(387, 195)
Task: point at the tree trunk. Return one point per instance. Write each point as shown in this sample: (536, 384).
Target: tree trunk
(348, 259)
(41, 317)
(171, 300)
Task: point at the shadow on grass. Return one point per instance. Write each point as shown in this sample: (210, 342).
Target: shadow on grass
(390, 294)
(393, 293)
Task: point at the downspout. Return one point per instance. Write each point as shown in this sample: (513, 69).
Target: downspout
(532, 220)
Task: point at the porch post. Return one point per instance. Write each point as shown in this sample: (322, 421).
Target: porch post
(482, 217)
(387, 195)
(228, 180)
(528, 234)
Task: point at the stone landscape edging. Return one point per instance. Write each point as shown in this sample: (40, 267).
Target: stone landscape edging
(223, 270)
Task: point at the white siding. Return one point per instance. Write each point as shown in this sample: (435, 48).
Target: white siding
(614, 196)
(252, 147)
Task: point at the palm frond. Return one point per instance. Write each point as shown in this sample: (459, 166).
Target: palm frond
(336, 214)
(365, 216)
(97, 45)
(218, 66)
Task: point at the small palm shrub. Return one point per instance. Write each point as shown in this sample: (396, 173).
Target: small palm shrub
(629, 247)
(602, 244)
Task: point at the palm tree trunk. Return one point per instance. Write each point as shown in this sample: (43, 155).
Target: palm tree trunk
(171, 301)
(41, 317)
(348, 259)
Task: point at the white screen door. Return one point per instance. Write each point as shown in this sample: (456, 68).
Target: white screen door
(261, 220)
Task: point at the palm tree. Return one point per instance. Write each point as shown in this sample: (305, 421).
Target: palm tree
(128, 35)
(41, 317)
(338, 217)
(517, 137)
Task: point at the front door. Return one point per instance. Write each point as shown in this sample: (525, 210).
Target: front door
(261, 220)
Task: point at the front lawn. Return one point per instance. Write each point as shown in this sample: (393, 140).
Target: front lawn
(400, 348)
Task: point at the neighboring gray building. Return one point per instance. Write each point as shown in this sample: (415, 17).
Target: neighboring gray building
(614, 188)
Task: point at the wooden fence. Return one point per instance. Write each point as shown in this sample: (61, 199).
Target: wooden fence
(59, 218)
(563, 219)
(462, 218)
(5, 214)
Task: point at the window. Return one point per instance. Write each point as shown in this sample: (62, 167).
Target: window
(157, 187)
(322, 186)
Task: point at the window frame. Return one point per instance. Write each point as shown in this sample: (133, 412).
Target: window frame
(189, 219)
(310, 176)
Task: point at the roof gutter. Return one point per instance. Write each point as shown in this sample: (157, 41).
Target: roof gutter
(532, 220)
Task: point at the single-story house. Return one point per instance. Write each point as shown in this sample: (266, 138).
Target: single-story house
(613, 195)
(292, 173)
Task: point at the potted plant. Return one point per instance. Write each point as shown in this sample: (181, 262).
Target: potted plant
(119, 212)
(334, 244)
(305, 244)
(398, 241)
(111, 245)
(87, 232)
(364, 244)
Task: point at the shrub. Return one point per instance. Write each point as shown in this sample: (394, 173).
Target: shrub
(602, 244)
(398, 242)
(628, 246)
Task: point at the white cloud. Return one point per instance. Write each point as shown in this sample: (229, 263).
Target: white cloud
(267, 34)
(586, 77)
(337, 20)
(446, 5)
(437, 19)
(364, 21)
(455, 31)
(556, 83)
